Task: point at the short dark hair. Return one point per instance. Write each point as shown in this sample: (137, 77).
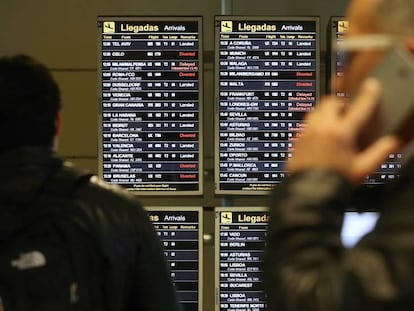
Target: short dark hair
(29, 103)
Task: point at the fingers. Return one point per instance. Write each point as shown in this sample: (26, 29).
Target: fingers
(370, 159)
(362, 108)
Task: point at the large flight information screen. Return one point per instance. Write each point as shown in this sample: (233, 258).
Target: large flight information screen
(150, 103)
(180, 232)
(338, 28)
(240, 241)
(267, 78)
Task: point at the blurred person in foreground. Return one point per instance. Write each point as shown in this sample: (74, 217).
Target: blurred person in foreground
(306, 266)
(123, 265)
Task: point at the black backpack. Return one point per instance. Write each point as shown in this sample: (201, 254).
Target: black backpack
(51, 261)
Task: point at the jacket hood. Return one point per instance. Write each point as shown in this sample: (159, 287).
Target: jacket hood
(23, 173)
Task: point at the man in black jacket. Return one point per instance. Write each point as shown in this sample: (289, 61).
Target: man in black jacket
(130, 270)
(306, 265)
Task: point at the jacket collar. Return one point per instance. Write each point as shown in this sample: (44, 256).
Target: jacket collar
(24, 171)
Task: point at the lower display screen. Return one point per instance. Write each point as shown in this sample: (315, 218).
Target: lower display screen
(180, 232)
(240, 242)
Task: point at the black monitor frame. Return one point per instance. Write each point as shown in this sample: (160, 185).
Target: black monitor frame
(240, 216)
(128, 26)
(259, 187)
(180, 212)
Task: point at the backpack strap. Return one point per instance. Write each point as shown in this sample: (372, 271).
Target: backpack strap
(55, 203)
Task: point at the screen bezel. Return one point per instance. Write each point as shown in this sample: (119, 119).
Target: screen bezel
(217, 211)
(199, 211)
(218, 19)
(199, 20)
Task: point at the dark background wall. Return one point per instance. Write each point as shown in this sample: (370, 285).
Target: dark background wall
(63, 35)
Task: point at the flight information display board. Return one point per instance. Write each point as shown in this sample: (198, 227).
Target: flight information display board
(240, 240)
(180, 232)
(338, 29)
(267, 78)
(150, 90)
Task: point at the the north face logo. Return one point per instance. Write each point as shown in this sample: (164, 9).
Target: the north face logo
(33, 259)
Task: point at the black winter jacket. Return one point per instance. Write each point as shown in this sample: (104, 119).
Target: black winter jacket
(135, 276)
(306, 266)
